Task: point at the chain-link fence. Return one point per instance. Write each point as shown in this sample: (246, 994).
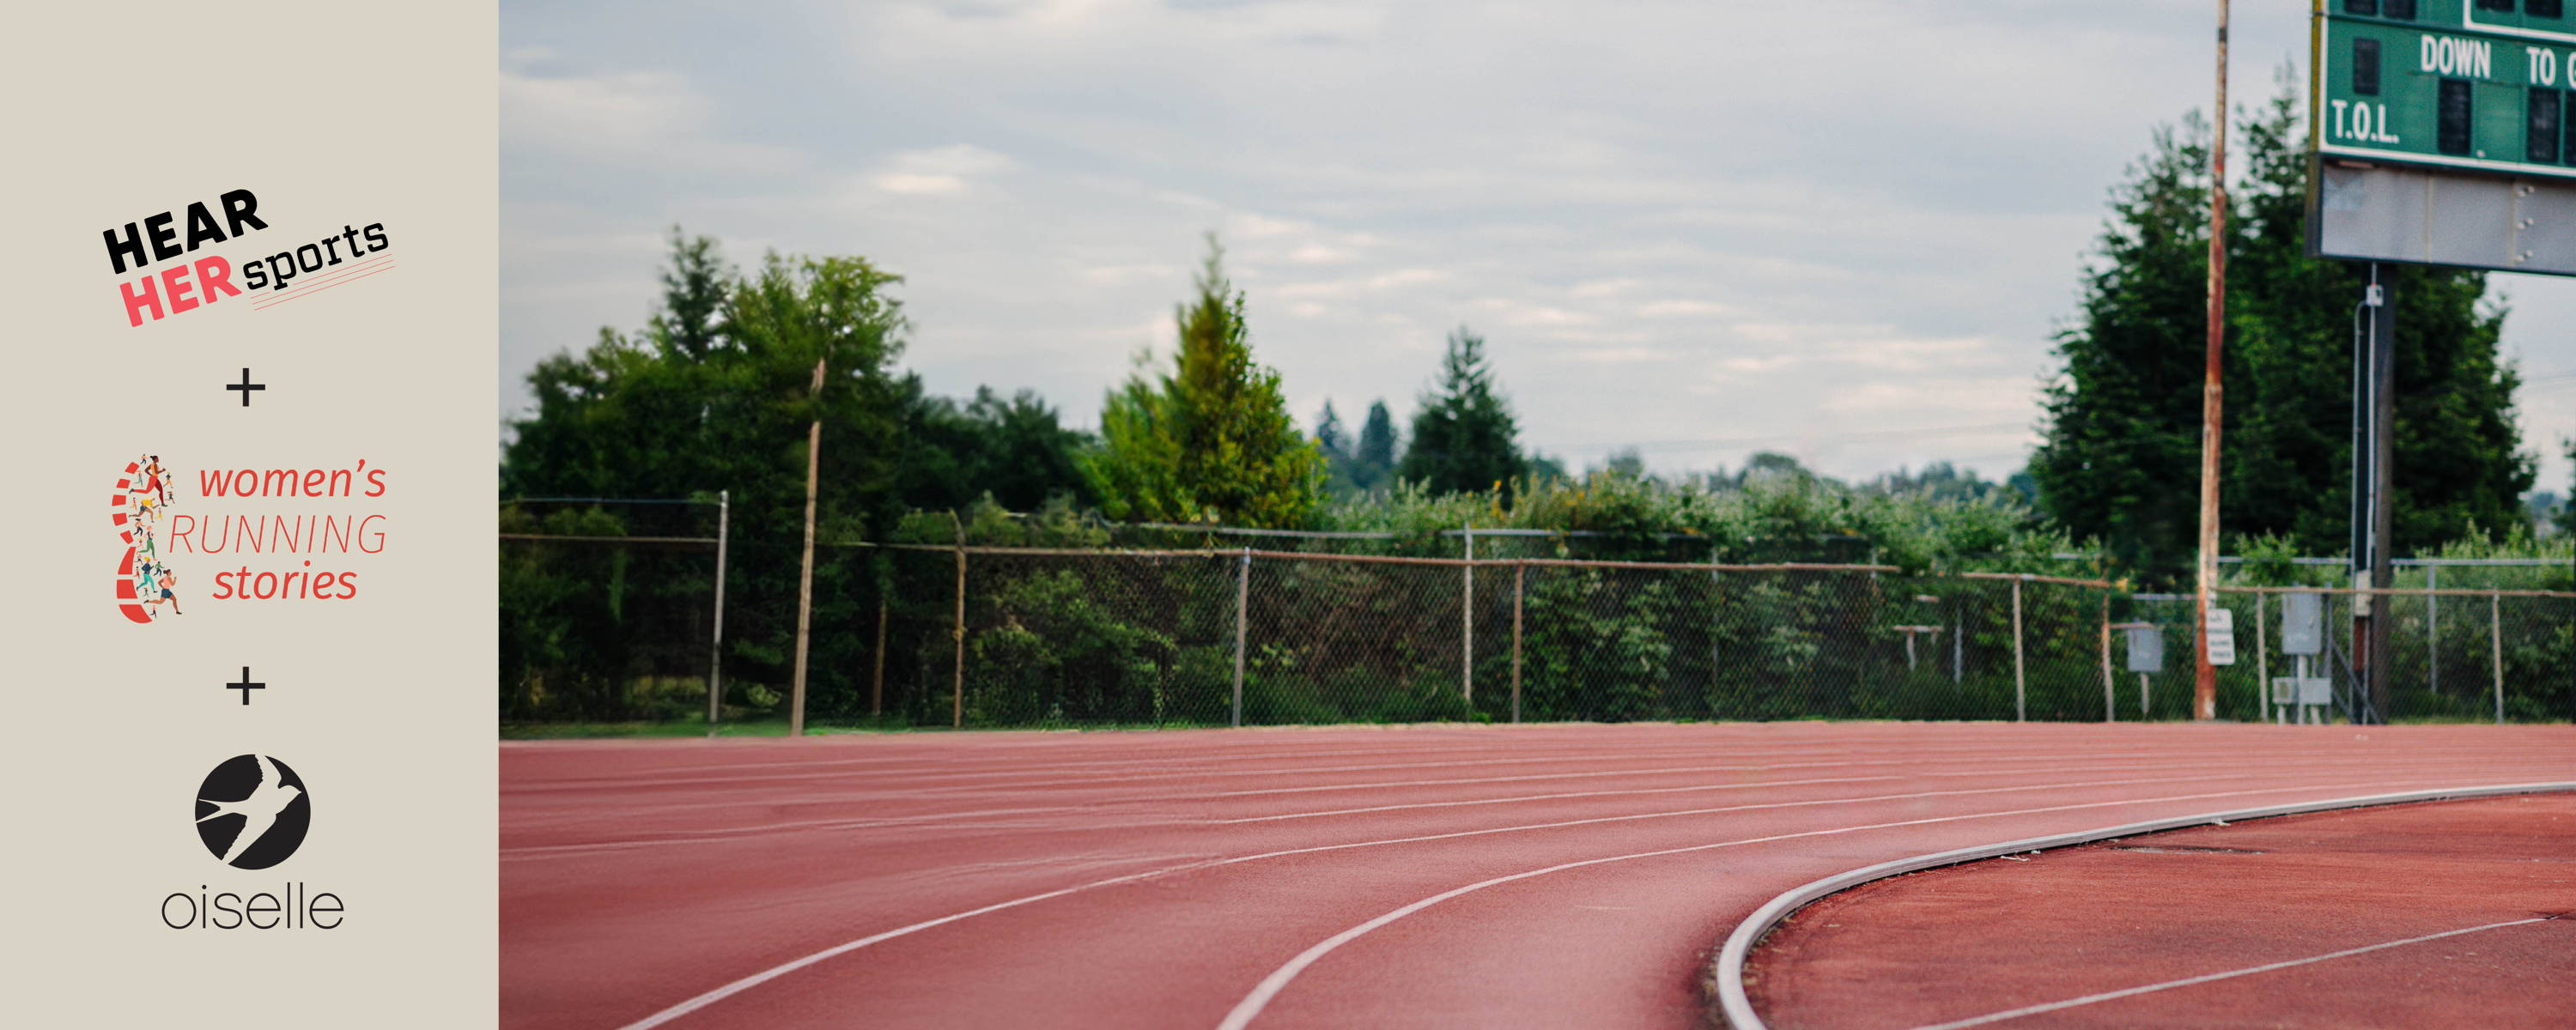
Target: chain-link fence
(921, 635)
(605, 628)
(1264, 637)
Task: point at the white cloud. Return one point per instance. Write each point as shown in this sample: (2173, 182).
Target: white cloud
(1818, 218)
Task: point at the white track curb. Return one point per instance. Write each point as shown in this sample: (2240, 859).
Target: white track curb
(1726, 975)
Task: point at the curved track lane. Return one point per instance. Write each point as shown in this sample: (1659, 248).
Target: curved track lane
(1423, 876)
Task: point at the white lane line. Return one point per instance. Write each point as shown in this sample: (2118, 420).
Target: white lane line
(915, 762)
(1582, 794)
(1104, 776)
(2089, 999)
(1918, 775)
(1095, 806)
(1185, 765)
(954, 781)
(1244, 1011)
(541, 851)
(720, 835)
(756, 979)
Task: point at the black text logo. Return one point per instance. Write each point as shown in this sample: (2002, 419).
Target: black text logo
(252, 812)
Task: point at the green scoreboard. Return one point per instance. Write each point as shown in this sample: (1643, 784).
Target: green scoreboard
(2440, 133)
(2472, 84)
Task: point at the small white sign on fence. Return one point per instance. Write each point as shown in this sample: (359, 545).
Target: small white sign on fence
(2222, 637)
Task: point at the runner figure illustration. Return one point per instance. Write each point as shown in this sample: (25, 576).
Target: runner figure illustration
(143, 497)
(167, 581)
(258, 811)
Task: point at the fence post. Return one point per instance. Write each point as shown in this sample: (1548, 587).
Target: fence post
(715, 650)
(876, 691)
(2262, 660)
(2433, 626)
(2021, 703)
(1242, 616)
(1520, 579)
(957, 671)
(2110, 708)
(1467, 621)
(2495, 632)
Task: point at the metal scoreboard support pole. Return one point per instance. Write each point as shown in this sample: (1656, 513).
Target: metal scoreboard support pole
(2374, 416)
(2204, 696)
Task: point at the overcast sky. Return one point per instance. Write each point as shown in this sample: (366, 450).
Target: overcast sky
(1844, 229)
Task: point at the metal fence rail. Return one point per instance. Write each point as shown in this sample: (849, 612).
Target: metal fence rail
(975, 636)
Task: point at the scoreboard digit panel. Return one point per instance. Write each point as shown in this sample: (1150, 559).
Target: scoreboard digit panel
(2474, 84)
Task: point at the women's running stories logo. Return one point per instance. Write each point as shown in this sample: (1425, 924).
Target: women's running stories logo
(145, 583)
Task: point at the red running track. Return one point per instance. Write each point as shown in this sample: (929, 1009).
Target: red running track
(1419, 876)
(2438, 915)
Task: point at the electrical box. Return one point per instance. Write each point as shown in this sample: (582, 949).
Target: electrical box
(2303, 624)
(2302, 690)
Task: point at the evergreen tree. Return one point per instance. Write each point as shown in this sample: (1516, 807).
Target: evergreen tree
(2457, 465)
(1373, 460)
(1014, 450)
(1544, 470)
(1464, 438)
(693, 296)
(1626, 462)
(2123, 413)
(2567, 508)
(2121, 458)
(1333, 440)
(1212, 440)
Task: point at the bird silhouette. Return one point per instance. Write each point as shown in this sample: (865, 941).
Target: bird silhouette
(258, 811)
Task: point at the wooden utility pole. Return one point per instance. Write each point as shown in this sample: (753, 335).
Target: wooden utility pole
(2204, 696)
(805, 574)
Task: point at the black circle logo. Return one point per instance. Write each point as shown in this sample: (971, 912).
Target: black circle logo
(252, 812)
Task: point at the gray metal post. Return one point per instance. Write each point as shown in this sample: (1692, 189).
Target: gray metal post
(715, 650)
(2495, 633)
(1467, 622)
(2433, 627)
(1520, 577)
(957, 634)
(2110, 706)
(1242, 614)
(2262, 662)
(876, 683)
(2021, 707)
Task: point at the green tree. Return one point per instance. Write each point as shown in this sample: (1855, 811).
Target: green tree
(1332, 439)
(1373, 459)
(2120, 462)
(2567, 508)
(2458, 467)
(1212, 440)
(1464, 438)
(716, 393)
(1014, 450)
(2123, 412)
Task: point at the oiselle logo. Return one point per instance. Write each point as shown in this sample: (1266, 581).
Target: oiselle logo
(252, 812)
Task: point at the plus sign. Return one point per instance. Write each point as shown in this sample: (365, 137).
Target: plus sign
(245, 686)
(245, 386)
